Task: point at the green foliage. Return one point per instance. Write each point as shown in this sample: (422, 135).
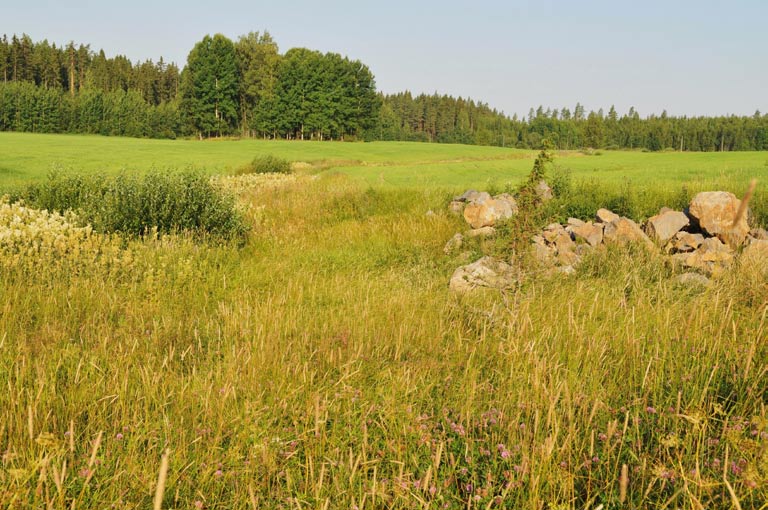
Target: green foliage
(527, 193)
(267, 164)
(561, 180)
(322, 96)
(210, 87)
(441, 118)
(257, 61)
(138, 205)
(25, 107)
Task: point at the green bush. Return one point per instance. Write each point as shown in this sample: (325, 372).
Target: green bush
(267, 164)
(560, 181)
(136, 205)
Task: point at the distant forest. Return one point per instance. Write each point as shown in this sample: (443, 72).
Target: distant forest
(248, 88)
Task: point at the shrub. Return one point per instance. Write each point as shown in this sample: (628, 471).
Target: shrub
(135, 205)
(560, 181)
(267, 164)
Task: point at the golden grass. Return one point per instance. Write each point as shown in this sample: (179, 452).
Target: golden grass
(326, 365)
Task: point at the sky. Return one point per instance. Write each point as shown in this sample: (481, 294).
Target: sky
(687, 57)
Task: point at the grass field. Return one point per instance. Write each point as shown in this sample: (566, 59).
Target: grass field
(25, 157)
(325, 364)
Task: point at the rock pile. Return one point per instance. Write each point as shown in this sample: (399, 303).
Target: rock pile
(482, 211)
(705, 237)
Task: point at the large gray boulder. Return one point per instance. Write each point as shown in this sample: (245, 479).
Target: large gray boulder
(486, 272)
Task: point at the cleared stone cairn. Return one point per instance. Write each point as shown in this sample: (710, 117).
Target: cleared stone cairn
(703, 238)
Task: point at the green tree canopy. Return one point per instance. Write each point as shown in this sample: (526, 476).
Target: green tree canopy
(210, 87)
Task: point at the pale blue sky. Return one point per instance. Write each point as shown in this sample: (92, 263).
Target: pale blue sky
(688, 57)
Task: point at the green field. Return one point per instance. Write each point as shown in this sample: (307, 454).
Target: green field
(25, 157)
(325, 364)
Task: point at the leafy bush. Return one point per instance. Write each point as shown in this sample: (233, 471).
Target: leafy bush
(267, 164)
(135, 205)
(560, 181)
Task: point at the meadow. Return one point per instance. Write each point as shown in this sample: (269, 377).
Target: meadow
(325, 364)
(26, 157)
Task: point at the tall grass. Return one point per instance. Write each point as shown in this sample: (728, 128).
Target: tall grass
(326, 365)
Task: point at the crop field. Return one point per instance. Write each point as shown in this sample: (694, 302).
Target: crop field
(321, 361)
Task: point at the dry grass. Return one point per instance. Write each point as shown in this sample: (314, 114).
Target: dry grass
(326, 365)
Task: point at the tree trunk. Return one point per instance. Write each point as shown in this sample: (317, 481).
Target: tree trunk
(72, 72)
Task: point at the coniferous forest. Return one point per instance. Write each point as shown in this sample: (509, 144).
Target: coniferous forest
(248, 88)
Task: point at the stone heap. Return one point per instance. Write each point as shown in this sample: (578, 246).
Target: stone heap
(706, 237)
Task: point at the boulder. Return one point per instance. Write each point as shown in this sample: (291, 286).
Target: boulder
(756, 252)
(506, 197)
(454, 244)
(456, 207)
(605, 216)
(567, 257)
(486, 272)
(692, 280)
(623, 231)
(714, 212)
(482, 232)
(589, 232)
(563, 241)
(575, 222)
(664, 226)
(684, 242)
(472, 196)
(712, 256)
(487, 212)
(543, 191)
(542, 252)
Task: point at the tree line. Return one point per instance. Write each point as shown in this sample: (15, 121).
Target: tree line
(440, 118)
(248, 88)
